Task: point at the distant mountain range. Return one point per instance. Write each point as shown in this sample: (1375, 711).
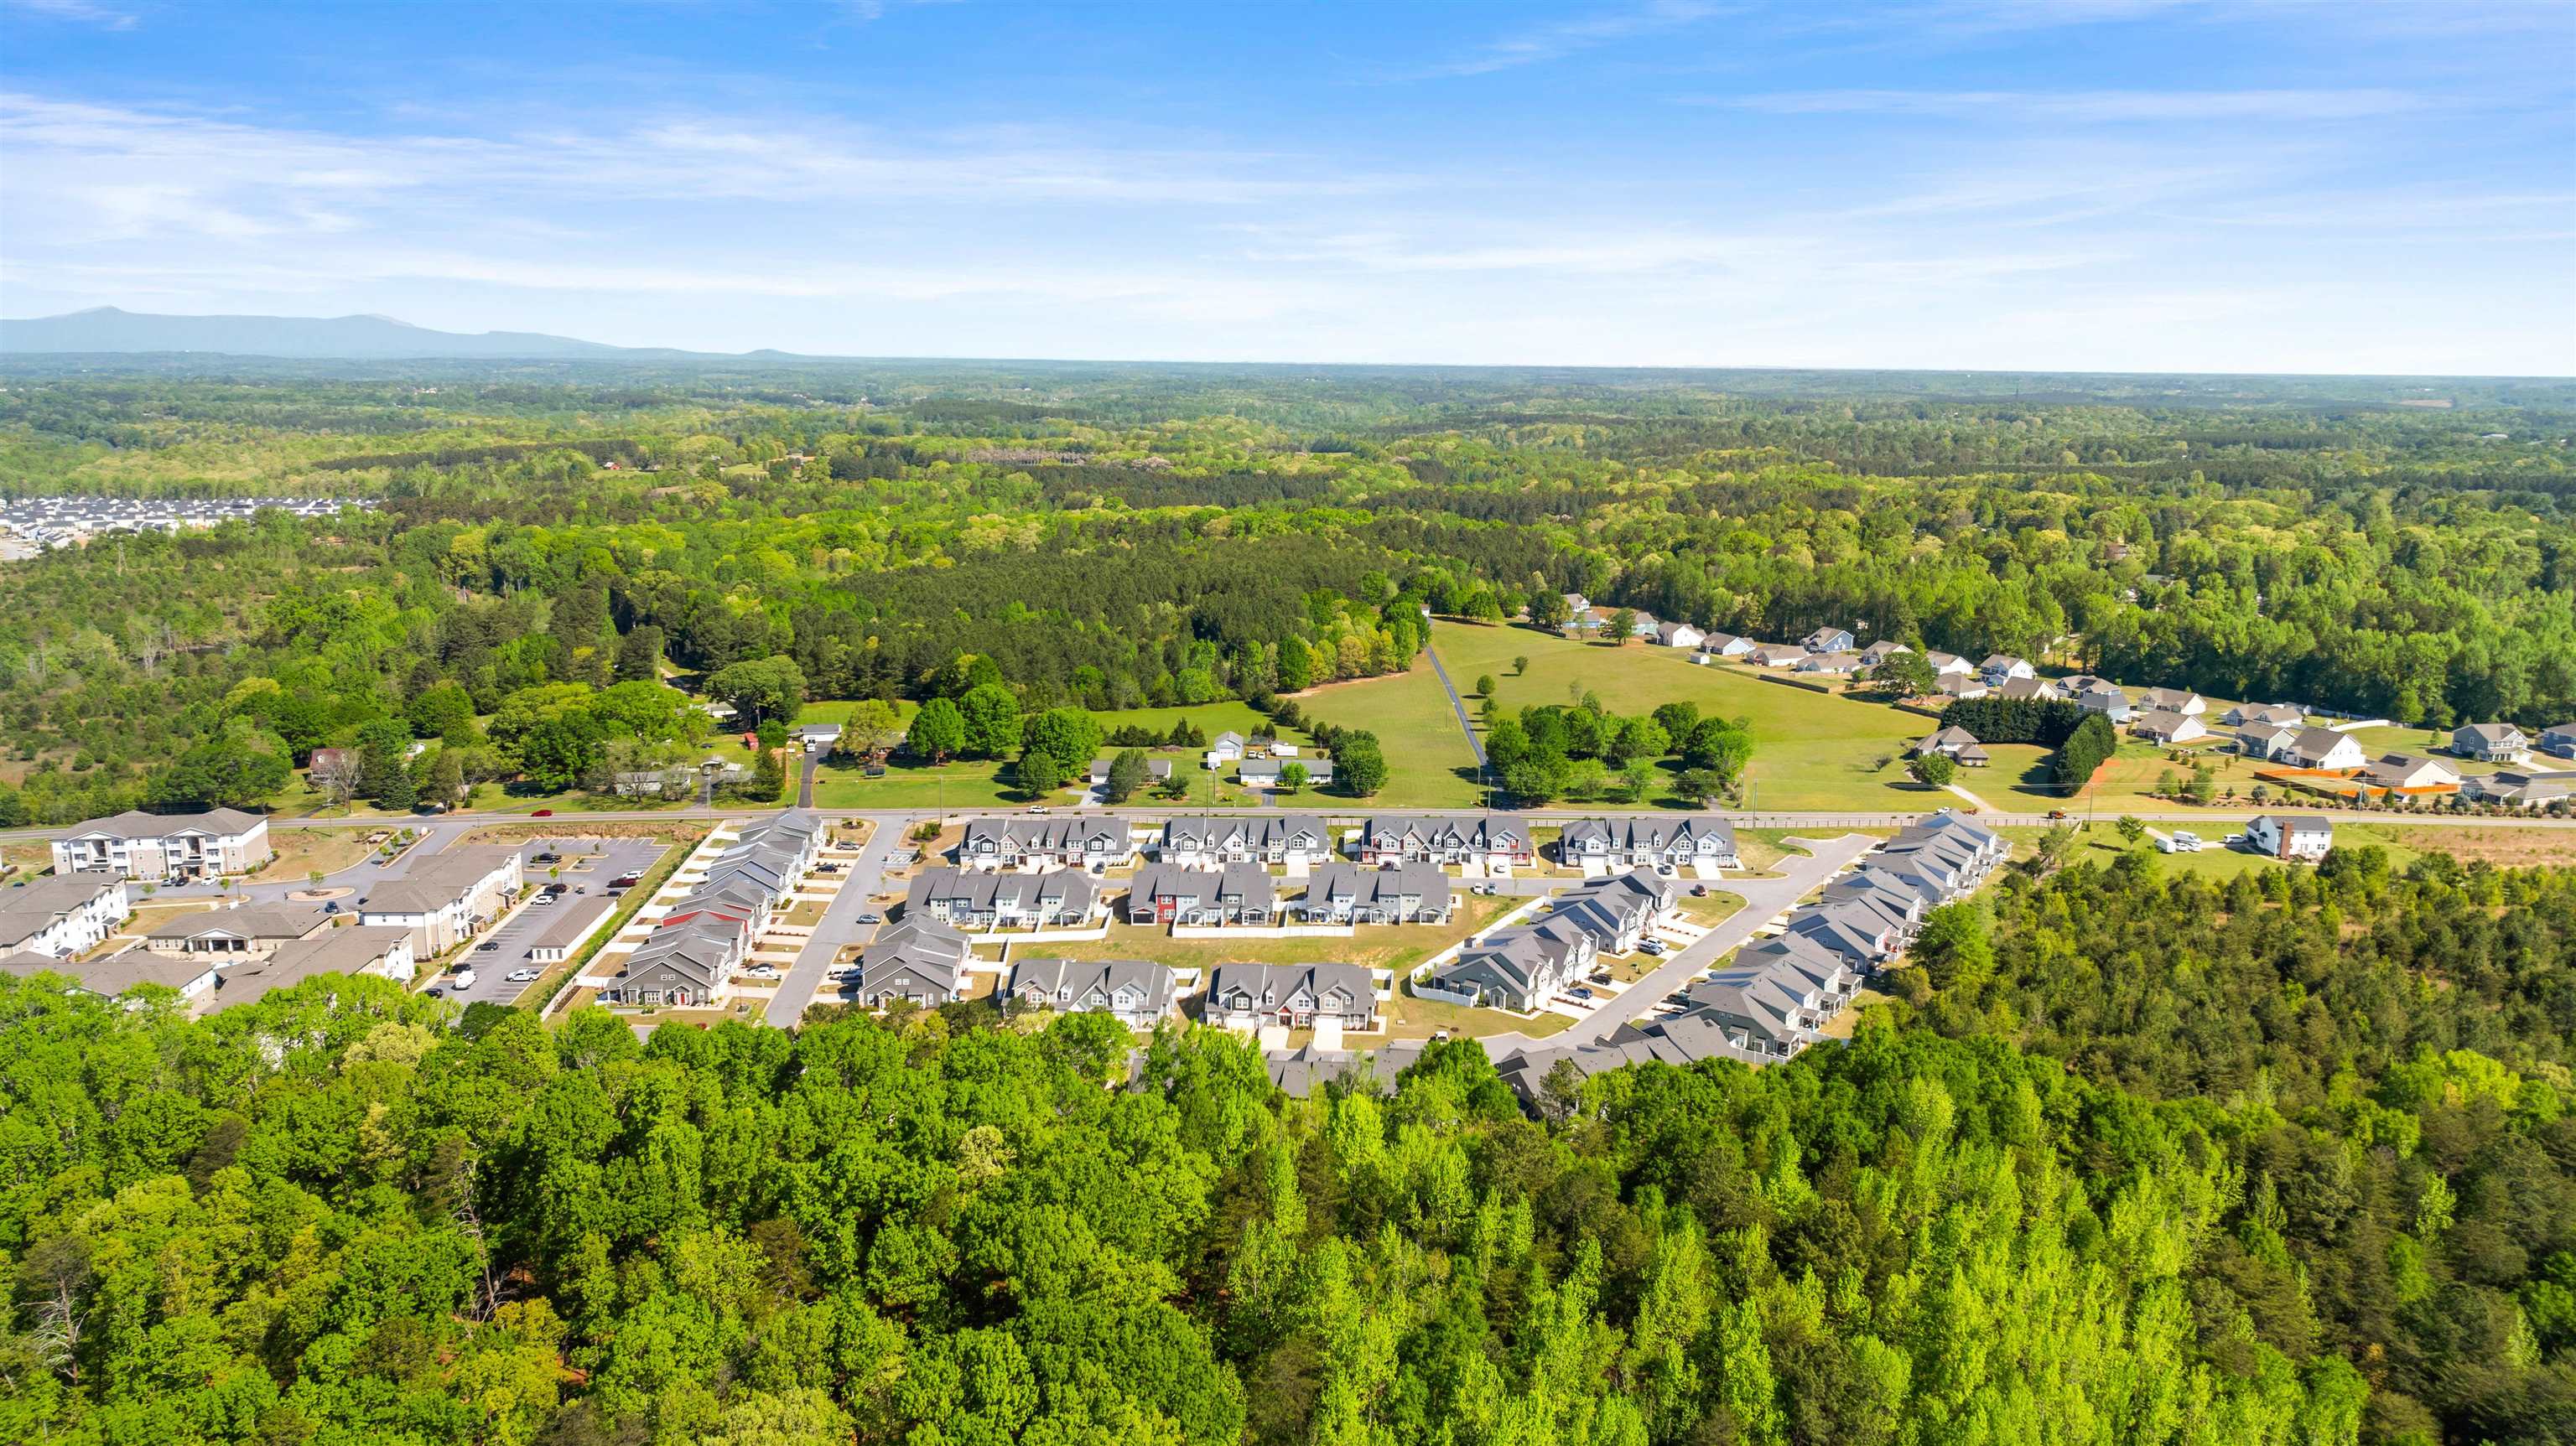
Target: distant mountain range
(107, 329)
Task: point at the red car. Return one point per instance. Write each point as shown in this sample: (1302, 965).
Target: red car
(543, 813)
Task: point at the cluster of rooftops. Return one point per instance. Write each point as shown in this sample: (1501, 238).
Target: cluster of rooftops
(695, 947)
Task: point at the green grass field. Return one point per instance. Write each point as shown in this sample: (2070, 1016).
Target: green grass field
(1812, 751)
(1428, 763)
(2101, 844)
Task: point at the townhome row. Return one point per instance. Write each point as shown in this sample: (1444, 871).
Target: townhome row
(1777, 994)
(926, 964)
(691, 957)
(1241, 893)
(1522, 967)
(1096, 842)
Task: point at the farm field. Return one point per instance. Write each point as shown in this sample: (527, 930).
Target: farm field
(1811, 750)
(2101, 844)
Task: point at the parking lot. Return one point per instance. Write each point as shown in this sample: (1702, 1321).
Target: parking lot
(583, 869)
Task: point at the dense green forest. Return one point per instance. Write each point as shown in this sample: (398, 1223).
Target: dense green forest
(2286, 1162)
(1116, 537)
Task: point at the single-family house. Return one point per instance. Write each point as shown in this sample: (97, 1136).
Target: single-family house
(1249, 996)
(2559, 741)
(2042, 689)
(2173, 700)
(1956, 744)
(1133, 992)
(1949, 665)
(2412, 770)
(2277, 715)
(1701, 840)
(2166, 726)
(1228, 748)
(164, 846)
(2105, 699)
(1497, 841)
(1827, 639)
(1291, 839)
(1679, 635)
(2265, 740)
(1727, 645)
(1880, 651)
(1961, 685)
(2491, 742)
(2518, 789)
(2301, 836)
(818, 737)
(1416, 892)
(2324, 748)
(1776, 655)
(1236, 893)
(1999, 668)
(1834, 663)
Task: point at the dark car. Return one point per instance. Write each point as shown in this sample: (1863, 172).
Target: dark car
(332, 907)
(492, 948)
(435, 993)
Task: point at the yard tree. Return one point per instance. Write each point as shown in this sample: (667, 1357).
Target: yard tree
(1038, 774)
(1719, 746)
(1506, 742)
(1637, 779)
(1933, 770)
(1643, 737)
(871, 729)
(1127, 774)
(1520, 664)
(557, 754)
(938, 731)
(1068, 735)
(1549, 609)
(771, 687)
(1621, 627)
(1907, 674)
(1485, 684)
(2131, 827)
(1677, 720)
(992, 719)
(1292, 776)
(1359, 764)
(444, 782)
(1701, 784)
(224, 773)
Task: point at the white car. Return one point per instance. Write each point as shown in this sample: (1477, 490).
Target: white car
(541, 899)
(461, 979)
(523, 976)
(760, 971)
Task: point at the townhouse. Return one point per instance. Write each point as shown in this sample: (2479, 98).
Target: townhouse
(965, 899)
(162, 847)
(690, 958)
(1249, 996)
(1242, 893)
(352, 949)
(915, 962)
(1283, 838)
(1853, 929)
(446, 898)
(1078, 841)
(1619, 911)
(685, 962)
(1133, 992)
(1520, 969)
(2559, 741)
(1408, 893)
(1704, 841)
(1495, 841)
(62, 914)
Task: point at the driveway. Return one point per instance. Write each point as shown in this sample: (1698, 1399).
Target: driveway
(1457, 705)
(840, 923)
(584, 865)
(1764, 901)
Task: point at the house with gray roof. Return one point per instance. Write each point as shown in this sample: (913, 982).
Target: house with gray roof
(1494, 840)
(2491, 742)
(1406, 893)
(1956, 744)
(974, 901)
(1520, 968)
(1828, 639)
(1651, 841)
(1243, 893)
(1133, 992)
(248, 931)
(2559, 741)
(1080, 841)
(913, 961)
(164, 846)
(62, 914)
(1269, 838)
(1249, 996)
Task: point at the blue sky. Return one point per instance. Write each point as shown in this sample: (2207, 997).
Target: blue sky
(2263, 185)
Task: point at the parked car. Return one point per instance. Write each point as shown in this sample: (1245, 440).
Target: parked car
(541, 899)
(760, 971)
(2056, 813)
(492, 947)
(871, 918)
(1037, 808)
(435, 993)
(1600, 976)
(1699, 891)
(523, 976)
(1580, 991)
(464, 979)
(543, 813)
(1652, 946)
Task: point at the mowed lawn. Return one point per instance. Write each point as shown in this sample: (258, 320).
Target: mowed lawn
(1812, 751)
(1428, 763)
(1378, 946)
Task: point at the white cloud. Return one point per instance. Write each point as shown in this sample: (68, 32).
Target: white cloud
(2093, 106)
(1558, 39)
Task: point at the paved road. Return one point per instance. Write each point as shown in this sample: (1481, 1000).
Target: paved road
(838, 926)
(1764, 901)
(1341, 808)
(517, 932)
(805, 780)
(1458, 706)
